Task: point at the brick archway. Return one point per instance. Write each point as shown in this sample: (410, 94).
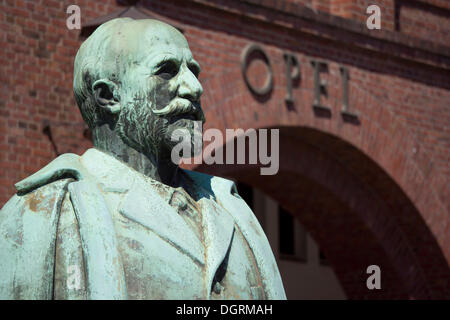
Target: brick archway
(366, 192)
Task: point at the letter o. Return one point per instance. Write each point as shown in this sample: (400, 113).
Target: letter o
(248, 51)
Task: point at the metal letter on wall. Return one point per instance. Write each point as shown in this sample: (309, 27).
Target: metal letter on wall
(291, 75)
(254, 50)
(320, 87)
(346, 113)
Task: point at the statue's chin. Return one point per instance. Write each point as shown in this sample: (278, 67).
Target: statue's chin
(151, 141)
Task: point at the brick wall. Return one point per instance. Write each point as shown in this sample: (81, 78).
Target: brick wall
(381, 182)
(425, 21)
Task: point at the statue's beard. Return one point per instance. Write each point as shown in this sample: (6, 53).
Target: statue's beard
(148, 130)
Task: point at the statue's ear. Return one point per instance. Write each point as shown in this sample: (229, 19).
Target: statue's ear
(105, 93)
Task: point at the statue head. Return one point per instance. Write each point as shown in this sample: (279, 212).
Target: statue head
(139, 78)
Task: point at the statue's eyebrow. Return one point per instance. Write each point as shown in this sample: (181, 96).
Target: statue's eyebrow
(167, 58)
(158, 60)
(194, 66)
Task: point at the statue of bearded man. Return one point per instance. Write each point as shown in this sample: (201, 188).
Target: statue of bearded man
(123, 221)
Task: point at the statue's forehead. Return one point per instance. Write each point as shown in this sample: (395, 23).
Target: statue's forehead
(156, 50)
(149, 40)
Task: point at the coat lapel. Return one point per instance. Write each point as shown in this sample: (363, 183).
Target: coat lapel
(218, 228)
(144, 205)
(227, 197)
(248, 224)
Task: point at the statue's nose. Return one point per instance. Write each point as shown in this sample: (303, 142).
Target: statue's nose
(189, 87)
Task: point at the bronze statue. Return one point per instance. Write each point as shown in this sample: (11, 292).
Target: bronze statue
(123, 221)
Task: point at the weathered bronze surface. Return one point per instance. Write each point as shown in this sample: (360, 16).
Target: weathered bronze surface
(123, 221)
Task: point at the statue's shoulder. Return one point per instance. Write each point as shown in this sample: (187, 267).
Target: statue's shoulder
(38, 192)
(38, 200)
(65, 166)
(28, 225)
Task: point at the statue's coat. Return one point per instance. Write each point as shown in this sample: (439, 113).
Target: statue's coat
(29, 223)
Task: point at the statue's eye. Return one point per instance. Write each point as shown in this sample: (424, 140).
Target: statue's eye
(167, 70)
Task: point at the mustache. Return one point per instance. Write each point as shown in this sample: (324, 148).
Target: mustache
(181, 106)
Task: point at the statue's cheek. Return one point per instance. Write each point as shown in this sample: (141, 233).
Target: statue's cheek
(162, 94)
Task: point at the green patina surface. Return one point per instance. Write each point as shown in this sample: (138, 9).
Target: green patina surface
(123, 221)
